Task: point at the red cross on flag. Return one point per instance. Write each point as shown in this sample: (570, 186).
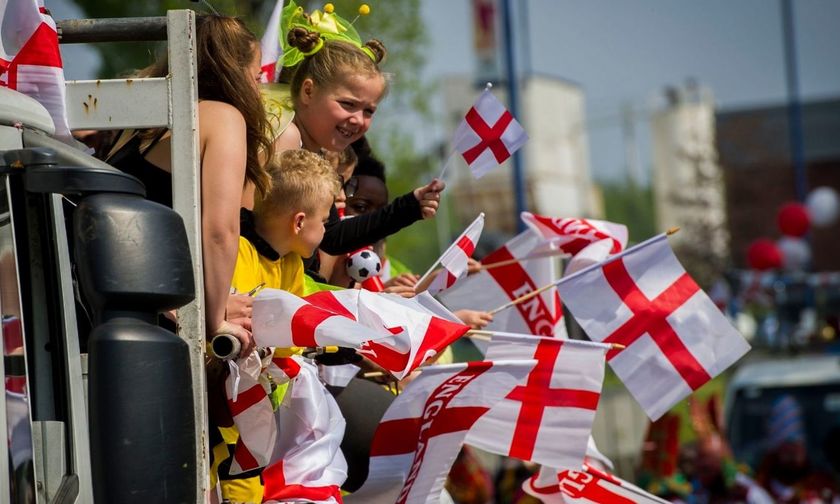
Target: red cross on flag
(572, 235)
(422, 432)
(30, 61)
(488, 135)
(307, 464)
(557, 401)
(270, 47)
(586, 486)
(281, 319)
(252, 414)
(455, 259)
(490, 288)
(676, 338)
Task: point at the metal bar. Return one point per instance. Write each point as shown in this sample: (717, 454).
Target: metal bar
(118, 103)
(138, 29)
(513, 105)
(186, 193)
(77, 415)
(794, 109)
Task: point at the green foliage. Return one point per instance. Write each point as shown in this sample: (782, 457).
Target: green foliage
(631, 205)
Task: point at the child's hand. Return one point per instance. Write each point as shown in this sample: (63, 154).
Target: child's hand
(474, 319)
(239, 306)
(246, 340)
(401, 290)
(429, 197)
(473, 266)
(403, 279)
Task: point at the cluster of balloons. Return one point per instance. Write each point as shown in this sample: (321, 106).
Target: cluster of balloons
(791, 251)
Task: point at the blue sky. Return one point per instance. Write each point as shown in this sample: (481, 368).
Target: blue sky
(626, 51)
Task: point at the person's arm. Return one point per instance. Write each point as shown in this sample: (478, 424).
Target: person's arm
(223, 158)
(348, 235)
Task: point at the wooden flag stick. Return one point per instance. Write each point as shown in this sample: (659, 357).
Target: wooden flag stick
(487, 335)
(526, 297)
(515, 260)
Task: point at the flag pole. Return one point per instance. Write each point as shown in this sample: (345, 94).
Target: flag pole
(484, 335)
(576, 274)
(431, 270)
(508, 262)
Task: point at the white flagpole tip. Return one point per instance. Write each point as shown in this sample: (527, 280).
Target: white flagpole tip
(488, 86)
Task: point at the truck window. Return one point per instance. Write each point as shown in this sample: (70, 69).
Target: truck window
(18, 419)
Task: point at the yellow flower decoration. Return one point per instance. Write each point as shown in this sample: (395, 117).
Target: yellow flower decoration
(329, 8)
(364, 10)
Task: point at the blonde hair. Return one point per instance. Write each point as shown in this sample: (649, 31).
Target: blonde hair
(333, 62)
(300, 180)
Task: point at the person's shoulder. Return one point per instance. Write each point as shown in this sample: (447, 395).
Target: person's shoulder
(219, 113)
(289, 139)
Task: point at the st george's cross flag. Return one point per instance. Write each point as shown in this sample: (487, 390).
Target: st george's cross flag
(281, 319)
(422, 431)
(270, 47)
(307, 464)
(676, 338)
(571, 234)
(488, 135)
(30, 61)
(557, 401)
(252, 413)
(455, 259)
(493, 287)
(421, 329)
(585, 486)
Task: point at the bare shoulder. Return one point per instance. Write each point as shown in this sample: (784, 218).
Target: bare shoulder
(218, 115)
(288, 140)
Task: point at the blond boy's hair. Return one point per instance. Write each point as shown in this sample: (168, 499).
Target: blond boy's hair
(300, 181)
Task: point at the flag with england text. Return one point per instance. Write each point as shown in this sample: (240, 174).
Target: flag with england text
(307, 464)
(676, 338)
(557, 401)
(571, 235)
(455, 259)
(490, 288)
(30, 61)
(585, 486)
(270, 47)
(422, 431)
(488, 135)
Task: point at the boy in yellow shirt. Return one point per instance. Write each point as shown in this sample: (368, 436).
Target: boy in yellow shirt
(285, 226)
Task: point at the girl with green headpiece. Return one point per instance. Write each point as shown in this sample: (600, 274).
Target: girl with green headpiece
(336, 86)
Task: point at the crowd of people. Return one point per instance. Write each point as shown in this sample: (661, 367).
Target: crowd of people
(290, 202)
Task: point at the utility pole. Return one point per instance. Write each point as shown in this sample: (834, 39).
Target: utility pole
(513, 106)
(794, 108)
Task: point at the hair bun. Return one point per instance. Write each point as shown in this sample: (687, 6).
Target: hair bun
(303, 39)
(378, 50)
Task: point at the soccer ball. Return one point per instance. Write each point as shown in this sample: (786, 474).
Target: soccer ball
(363, 264)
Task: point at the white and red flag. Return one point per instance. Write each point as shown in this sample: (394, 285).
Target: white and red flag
(572, 235)
(547, 418)
(426, 329)
(488, 135)
(307, 464)
(281, 319)
(270, 46)
(585, 486)
(422, 432)
(493, 287)
(30, 61)
(676, 338)
(252, 414)
(455, 259)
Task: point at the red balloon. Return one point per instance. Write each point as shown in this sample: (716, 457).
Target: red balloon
(764, 254)
(793, 219)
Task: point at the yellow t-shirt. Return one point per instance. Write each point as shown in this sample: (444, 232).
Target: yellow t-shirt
(253, 269)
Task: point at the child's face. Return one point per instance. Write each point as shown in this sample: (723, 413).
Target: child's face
(334, 117)
(311, 228)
